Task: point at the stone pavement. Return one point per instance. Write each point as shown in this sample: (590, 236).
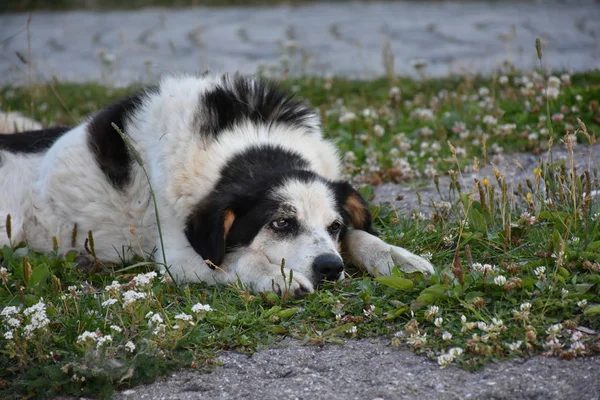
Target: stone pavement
(342, 39)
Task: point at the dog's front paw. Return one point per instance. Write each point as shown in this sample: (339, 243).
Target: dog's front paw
(289, 282)
(379, 258)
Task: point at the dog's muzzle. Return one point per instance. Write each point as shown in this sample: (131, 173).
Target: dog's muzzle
(328, 267)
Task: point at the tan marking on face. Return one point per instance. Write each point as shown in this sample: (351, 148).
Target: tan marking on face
(228, 222)
(357, 211)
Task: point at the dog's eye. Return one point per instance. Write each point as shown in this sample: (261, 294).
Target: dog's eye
(282, 224)
(335, 227)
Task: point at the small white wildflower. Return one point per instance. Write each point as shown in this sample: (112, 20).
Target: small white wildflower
(483, 91)
(143, 280)
(417, 340)
(369, 311)
(347, 117)
(551, 92)
(8, 335)
(554, 329)
(503, 80)
(431, 312)
(482, 326)
(379, 131)
(184, 318)
(438, 321)
(444, 360)
(540, 272)
(489, 120)
(87, 337)
(582, 303)
(455, 351)
(116, 328)
(130, 346)
(199, 307)
(525, 306)
(553, 82)
(576, 336)
(423, 114)
(564, 292)
(500, 280)
(115, 286)
(463, 319)
(427, 255)
(394, 93)
(102, 340)
(446, 336)
(579, 97)
(131, 296)
(156, 319)
(352, 329)
(578, 347)
(515, 345)
(109, 302)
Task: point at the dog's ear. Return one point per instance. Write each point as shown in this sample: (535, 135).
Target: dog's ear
(354, 208)
(207, 229)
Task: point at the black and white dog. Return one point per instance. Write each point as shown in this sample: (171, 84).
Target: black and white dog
(242, 176)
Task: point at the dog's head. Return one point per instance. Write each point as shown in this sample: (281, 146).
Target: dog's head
(296, 216)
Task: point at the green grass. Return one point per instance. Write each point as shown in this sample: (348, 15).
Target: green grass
(520, 263)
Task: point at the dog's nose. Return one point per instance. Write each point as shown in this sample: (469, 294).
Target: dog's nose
(328, 266)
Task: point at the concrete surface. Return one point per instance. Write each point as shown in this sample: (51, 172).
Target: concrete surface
(373, 370)
(343, 39)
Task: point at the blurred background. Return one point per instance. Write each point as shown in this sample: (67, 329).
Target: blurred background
(119, 42)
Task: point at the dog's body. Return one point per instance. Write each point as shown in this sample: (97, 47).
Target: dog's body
(242, 178)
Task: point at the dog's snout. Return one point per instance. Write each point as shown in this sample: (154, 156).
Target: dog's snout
(328, 266)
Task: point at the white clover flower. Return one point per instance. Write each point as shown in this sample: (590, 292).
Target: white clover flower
(143, 280)
(109, 302)
(431, 312)
(347, 117)
(582, 303)
(482, 326)
(368, 113)
(102, 340)
(554, 329)
(553, 82)
(551, 92)
(131, 296)
(87, 337)
(500, 280)
(444, 360)
(503, 80)
(416, 339)
(369, 311)
(438, 321)
(446, 336)
(463, 319)
(455, 351)
(515, 345)
(483, 91)
(353, 329)
(578, 347)
(489, 120)
(525, 306)
(378, 130)
(423, 114)
(130, 346)
(116, 328)
(564, 292)
(579, 97)
(576, 336)
(540, 272)
(394, 93)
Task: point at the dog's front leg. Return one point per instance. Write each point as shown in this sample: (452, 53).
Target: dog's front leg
(253, 269)
(378, 257)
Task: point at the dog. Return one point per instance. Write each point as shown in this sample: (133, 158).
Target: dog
(246, 187)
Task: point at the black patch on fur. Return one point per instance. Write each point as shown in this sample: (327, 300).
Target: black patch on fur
(31, 141)
(245, 188)
(109, 149)
(245, 99)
